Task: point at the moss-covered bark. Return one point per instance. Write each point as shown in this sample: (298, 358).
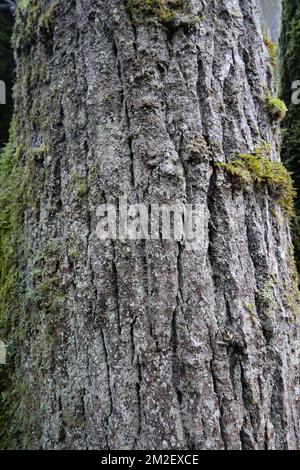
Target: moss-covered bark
(155, 344)
(290, 72)
(6, 72)
(8, 197)
(11, 190)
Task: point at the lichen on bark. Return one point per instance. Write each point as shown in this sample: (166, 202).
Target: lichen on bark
(150, 345)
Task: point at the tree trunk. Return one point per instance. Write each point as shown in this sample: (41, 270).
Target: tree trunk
(150, 344)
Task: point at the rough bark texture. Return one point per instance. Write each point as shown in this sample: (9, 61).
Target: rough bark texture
(150, 345)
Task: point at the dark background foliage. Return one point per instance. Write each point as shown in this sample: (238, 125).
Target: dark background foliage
(6, 72)
(290, 72)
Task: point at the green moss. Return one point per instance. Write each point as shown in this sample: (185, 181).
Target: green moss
(16, 185)
(81, 190)
(33, 12)
(276, 107)
(10, 203)
(48, 286)
(39, 150)
(50, 295)
(19, 294)
(250, 308)
(266, 296)
(163, 10)
(79, 185)
(73, 254)
(198, 150)
(292, 292)
(49, 333)
(272, 49)
(267, 304)
(48, 18)
(34, 20)
(10, 236)
(257, 168)
(23, 5)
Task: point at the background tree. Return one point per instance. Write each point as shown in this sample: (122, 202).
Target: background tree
(272, 10)
(6, 71)
(125, 345)
(290, 73)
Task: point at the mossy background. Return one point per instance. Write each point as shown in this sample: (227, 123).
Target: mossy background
(290, 72)
(6, 72)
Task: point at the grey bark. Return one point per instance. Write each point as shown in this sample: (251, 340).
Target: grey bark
(150, 345)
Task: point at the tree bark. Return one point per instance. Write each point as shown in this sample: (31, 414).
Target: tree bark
(149, 345)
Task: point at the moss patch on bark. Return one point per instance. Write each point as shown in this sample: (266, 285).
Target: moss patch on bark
(163, 10)
(272, 49)
(10, 237)
(171, 13)
(276, 107)
(257, 168)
